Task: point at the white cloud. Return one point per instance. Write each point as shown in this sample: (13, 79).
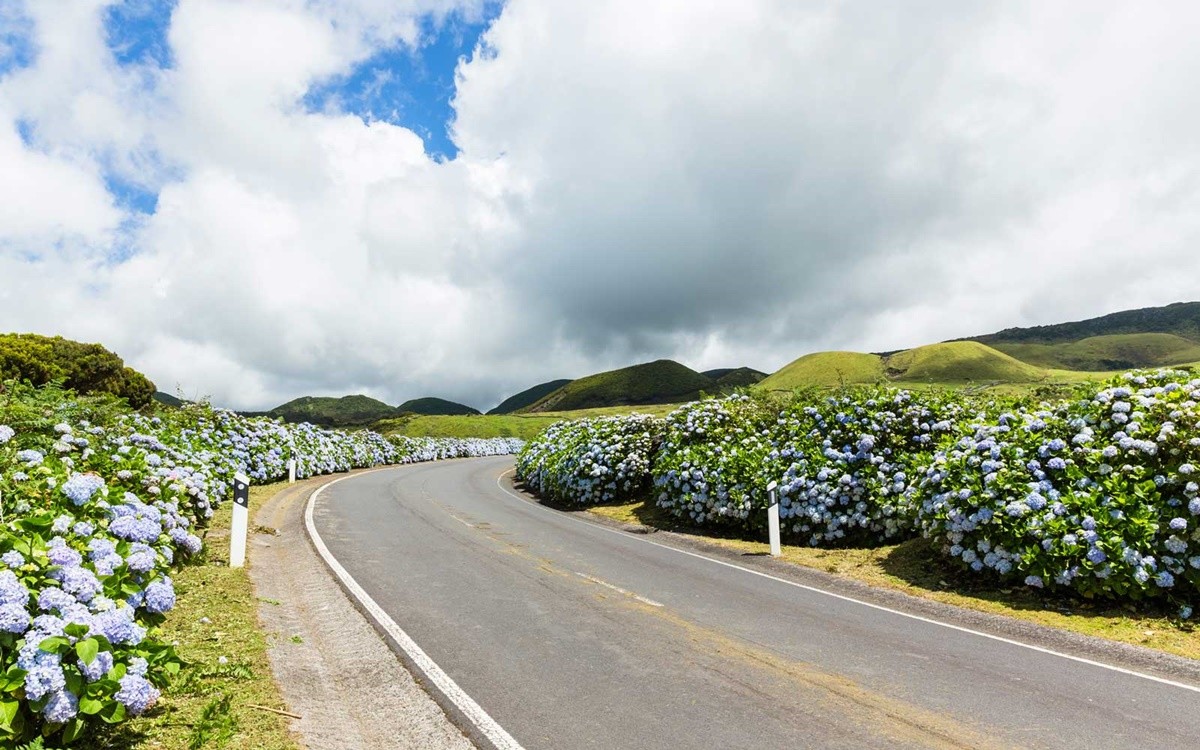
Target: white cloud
(725, 183)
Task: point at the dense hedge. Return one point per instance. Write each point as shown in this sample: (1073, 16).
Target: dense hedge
(83, 368)
(1097, 492)
(591, 461)
(96, 508)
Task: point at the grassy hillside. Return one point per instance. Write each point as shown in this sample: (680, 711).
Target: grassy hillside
(826, 369)
(662, 381)
(1124, 351)
(739, 377)
(959, 361)
(432, 405)
(1181, 319)
(333, 412)
(528, 397)
(167, 399)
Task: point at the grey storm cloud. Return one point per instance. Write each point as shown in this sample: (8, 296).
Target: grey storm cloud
(724, 184)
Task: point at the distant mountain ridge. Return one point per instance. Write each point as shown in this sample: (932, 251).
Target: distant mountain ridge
(432, 405)
(358, 410)
(1146, 337)
(1179, 318)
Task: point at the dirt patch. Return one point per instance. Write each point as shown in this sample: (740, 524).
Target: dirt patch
(333, 668)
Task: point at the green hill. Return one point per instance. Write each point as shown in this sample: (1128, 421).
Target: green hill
(84, 368)
(1122, 351)
(826, 369)
(952, 362)
(167, 399)
(1146, 337)
(738, 377)
(528, 397)
(659, 382)
(432, 405)
(957, 362)
(333, 412)
(1181, 319)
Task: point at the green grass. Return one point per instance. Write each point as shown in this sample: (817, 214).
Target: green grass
(826, 369)
(208, 705)
(524, 426)
(1103, 353)
(959, 361)
(663, 381)
(914, 568)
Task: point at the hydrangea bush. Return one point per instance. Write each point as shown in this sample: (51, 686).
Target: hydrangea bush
(712, 469)
(92, 520)
(1098, 494)
(590, 461)
(852, 462)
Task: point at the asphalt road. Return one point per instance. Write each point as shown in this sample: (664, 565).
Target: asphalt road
(573, 636)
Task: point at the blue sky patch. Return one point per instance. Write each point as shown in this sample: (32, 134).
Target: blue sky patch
(16, 38)
(130, 196)
(409, 87)
(136, 32)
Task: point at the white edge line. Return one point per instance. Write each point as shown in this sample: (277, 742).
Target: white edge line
(843, 597)
(474, 713)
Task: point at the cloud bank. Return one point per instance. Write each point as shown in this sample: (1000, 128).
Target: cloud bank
(720, 183)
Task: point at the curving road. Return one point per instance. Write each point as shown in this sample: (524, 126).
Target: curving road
(572, 635)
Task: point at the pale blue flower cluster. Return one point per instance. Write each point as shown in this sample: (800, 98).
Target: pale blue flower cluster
(590, 461)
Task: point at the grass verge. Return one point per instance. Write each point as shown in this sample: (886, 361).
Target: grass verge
(215, 628)
(915, 568)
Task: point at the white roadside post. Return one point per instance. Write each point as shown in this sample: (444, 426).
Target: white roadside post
(241, 520)
(292, 461)
(773, 519)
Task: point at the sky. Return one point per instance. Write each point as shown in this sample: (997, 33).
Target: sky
(253, 200)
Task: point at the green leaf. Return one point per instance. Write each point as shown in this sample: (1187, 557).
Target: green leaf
(36, 523)
(87, 650)
(74, 730)
(114, 713)
(90, 706)
(8, 711)
(54, 644)
(76, 630)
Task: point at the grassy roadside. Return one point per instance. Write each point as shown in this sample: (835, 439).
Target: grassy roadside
(215, 628)
(914, 568)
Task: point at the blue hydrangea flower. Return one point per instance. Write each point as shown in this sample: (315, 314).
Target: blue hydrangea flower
(13, 559)
(81, 487)
(136, 694)
(12, 591)
(160, 596)
(100, 666)
(141, 559)
(30, 457)
(6, 433)
(61, 708)
(14, 618)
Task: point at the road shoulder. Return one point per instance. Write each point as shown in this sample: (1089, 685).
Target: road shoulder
(332, 666)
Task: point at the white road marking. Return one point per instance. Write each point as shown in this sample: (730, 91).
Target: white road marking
(843, 597)
(619, 590)
(484, 723)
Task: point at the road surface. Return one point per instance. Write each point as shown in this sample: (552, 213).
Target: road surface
(572, 635)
